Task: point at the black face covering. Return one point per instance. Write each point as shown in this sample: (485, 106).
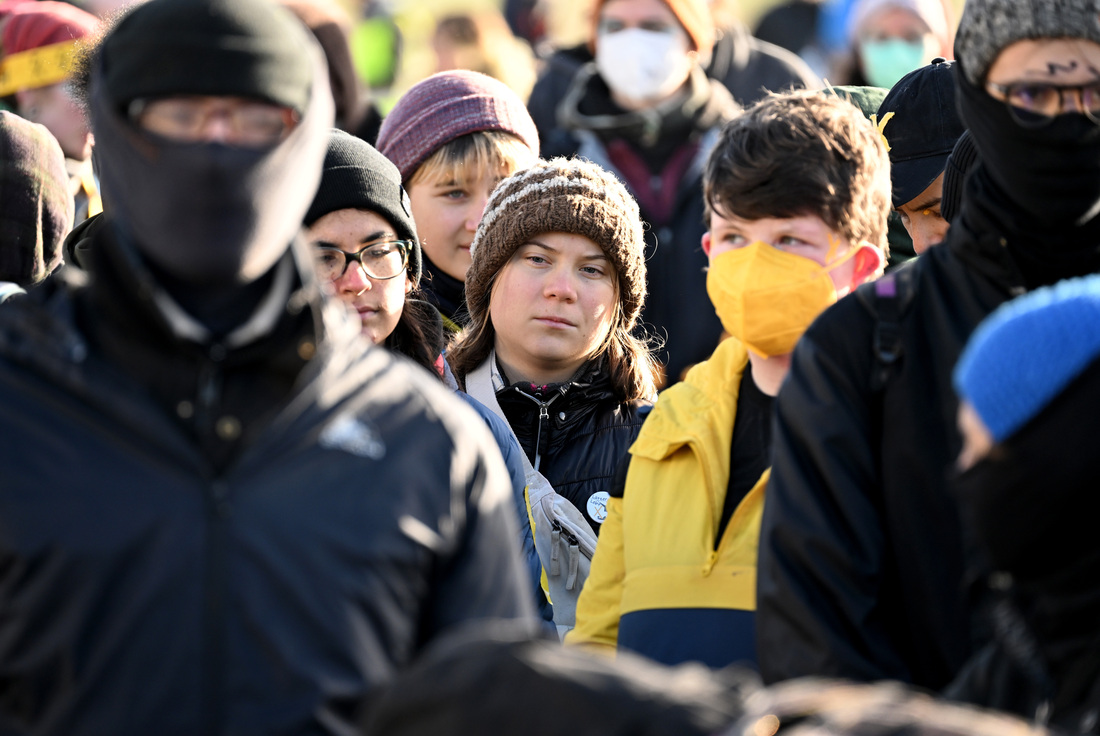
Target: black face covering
(1052, 173)
(209, 214)
(1026, 502)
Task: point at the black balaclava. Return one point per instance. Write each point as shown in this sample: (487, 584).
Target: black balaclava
(208, 216)
(1051, 172)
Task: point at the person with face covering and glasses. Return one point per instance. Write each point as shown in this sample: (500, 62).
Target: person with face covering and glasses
(862, 554)
(647, 112)
(211, 482)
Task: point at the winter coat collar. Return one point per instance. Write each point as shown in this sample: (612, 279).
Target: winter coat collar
(587, 105)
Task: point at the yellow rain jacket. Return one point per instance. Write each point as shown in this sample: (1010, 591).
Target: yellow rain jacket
(661, 583)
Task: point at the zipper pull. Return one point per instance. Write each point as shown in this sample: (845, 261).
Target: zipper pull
(543, 413)
(709, 564)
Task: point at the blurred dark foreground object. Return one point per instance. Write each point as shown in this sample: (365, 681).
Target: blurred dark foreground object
(504, 682)
(820, 707)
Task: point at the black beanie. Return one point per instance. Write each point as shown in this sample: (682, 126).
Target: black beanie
(240, 48)
(357, 176)
(959, 163)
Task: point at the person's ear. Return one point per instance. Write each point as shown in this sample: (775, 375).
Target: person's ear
(869, 263)
(705, 240)
(408, 284)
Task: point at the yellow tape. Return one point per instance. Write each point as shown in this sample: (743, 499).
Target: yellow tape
(38, 67)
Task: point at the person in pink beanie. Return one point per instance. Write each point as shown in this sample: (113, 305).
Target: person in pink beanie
(453, 137)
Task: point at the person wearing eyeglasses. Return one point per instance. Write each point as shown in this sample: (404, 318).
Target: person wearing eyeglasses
(366, 251)
(864, 559)
(367, 255)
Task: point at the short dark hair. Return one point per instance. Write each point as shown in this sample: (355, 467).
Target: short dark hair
(802, 153)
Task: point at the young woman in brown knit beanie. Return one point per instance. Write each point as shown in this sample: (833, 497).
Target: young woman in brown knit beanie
(554, 292)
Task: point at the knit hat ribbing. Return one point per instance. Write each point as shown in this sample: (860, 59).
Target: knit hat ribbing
(445, 106)
(1028, 351)
(560, 196)
(36, 207)
(694, 16)
(987, 27)
(242, 48)
(962, 159)
(357, 176)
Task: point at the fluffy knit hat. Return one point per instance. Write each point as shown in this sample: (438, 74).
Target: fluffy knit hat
(357, 176)
(30, 26)
(694, 16)
(988, 26)
(36, 207)
(1025, 353)
(445, 106)
(560, 196)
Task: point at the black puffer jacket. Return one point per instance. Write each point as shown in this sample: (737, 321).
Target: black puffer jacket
(577, 431)
(228, 539)
(862, 555)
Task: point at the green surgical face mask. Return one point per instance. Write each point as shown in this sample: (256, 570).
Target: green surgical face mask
(887, 61)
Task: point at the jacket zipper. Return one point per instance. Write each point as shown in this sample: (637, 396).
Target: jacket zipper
(208, 398)
(544, 418)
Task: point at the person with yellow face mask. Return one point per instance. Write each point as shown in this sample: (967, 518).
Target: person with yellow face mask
(797, 193)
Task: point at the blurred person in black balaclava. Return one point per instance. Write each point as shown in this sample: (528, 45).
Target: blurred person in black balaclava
(223, 511)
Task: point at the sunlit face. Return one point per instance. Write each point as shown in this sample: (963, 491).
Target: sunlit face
(922, 218)
(657, 17)
(552, 306)
(804, 235)
(447, 212)
(649, 15)
(53, 107)
(378, 302)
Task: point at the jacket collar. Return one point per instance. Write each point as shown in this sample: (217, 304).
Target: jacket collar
(587, 105)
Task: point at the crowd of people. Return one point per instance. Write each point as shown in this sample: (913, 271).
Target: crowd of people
(689, 394)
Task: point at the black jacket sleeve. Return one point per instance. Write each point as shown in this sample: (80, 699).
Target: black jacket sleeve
(481, 575)
(822, 545)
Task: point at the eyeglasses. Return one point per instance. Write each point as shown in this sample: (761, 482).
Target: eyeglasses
(380, 261)
(190, 119)
(1034, 105)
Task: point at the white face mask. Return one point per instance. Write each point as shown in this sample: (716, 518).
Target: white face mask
(642, 65)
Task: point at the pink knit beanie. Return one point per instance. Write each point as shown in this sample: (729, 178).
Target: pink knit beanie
(448, 105)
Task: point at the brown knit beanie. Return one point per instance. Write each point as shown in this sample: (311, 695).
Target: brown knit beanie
(694, 16)
(560, 196)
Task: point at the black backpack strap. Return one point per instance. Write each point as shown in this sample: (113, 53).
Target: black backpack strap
(887, 299)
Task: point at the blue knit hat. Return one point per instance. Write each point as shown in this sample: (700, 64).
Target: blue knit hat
(1026, 352)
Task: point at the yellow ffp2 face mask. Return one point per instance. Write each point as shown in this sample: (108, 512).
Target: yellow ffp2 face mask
(766, 298)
